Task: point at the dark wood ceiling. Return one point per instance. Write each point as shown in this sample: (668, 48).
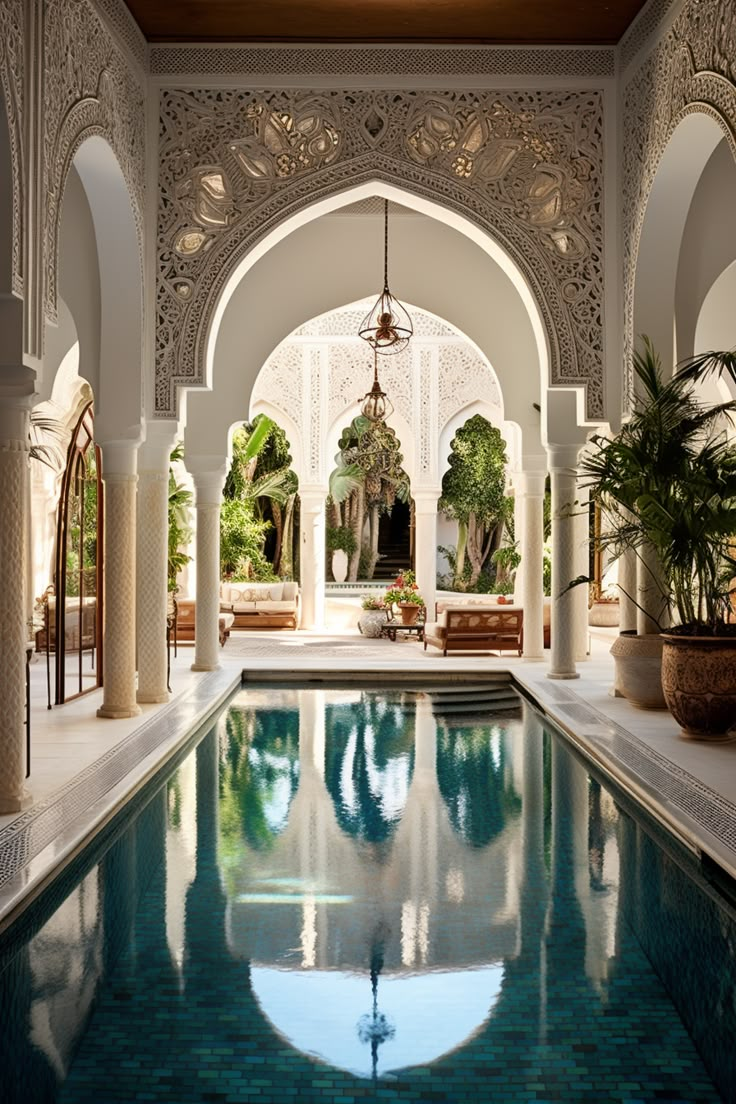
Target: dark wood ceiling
(531, 22)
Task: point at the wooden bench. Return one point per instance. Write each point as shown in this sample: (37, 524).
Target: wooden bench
(477, 629)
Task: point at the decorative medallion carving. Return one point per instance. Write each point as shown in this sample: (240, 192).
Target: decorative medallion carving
(526, 167)
(90, 88)
(11, 82)
(692, 69)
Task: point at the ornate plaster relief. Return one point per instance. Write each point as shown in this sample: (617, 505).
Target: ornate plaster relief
(11, 81)
(524, 166)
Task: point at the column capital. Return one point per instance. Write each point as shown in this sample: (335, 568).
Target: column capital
(563, 457)
(312, 497)
(119, 458)
(155, 450)
(531, 484)
(209, 474)
(425, 501)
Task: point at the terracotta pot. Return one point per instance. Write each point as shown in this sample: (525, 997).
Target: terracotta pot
(409, 613)
(638, 662)
(371, 622)
(604, 614)
(699, 682)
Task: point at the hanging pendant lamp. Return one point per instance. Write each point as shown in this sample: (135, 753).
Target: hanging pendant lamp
(387, 326)
(376, 406)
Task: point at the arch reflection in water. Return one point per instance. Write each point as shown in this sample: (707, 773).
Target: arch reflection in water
(338, 909)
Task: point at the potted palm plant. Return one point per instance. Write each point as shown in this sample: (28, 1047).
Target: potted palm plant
(667, 481)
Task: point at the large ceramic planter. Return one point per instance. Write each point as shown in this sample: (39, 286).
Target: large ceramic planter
(371, 622)
(638, 662)
(699, 682)
(604, 614)
(339, 565)
(409, 613)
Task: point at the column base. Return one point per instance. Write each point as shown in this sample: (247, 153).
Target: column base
(571, 675)
(118, 714)
(16, 804)
(205, 667)
(152, 699)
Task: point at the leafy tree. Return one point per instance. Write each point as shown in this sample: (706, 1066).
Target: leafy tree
(366, 482)
(259, 499)
(180, 532)
(473, 494)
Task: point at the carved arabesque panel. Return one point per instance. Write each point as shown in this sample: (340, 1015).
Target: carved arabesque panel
(11, 83)
(524, 166)
(693, 68)
(281, 380)
(464, 377)
(90, 88)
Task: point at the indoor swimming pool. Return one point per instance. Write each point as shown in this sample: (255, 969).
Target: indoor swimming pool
(342, 894)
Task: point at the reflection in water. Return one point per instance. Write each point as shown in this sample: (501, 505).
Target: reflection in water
(371, 890)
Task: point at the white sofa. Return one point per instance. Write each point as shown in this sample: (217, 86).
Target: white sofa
(261, 605)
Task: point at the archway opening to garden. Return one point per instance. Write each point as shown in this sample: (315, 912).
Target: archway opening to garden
(369, 506)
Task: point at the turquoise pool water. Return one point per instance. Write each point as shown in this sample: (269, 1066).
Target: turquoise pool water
(346, 895)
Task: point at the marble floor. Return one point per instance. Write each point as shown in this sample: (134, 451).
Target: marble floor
(691, 786)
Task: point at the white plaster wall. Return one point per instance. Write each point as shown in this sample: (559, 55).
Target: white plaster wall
(337, 259)
(708, 248)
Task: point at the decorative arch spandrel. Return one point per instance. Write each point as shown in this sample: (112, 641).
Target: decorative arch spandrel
(523, 166)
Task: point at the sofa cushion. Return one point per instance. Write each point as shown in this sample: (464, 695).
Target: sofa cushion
(275, 607)
(290, 592)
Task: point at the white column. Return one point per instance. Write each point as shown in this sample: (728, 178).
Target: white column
(118, 606)
(425, 546)
(517, 480)
(530, 573)
(16, 393)
(208, 486)
(649, 594)
(563, 473)
(627, 590)
(312, 556)
(152, 559)
(582, 567)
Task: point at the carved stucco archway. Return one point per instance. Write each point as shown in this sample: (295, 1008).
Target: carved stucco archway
(690, 71)
(523, 167)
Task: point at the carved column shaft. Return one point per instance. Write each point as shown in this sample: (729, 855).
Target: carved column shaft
(564, 491)
(627, 590)
(16, 389)
(531, 539)
(153, 501)
(153, 560)
(118, 633)
(208, 497)
(312, 560)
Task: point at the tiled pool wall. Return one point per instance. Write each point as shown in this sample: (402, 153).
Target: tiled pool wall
(661, 910)
(687, 936)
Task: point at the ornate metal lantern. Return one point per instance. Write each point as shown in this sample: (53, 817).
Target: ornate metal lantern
(376, 406)
(387, 326)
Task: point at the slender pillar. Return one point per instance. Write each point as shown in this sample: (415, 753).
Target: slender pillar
(563, 461)
(627, 590)
(582, 567)
(425, 545)
(651, 615)
(152, 560)
(16, 393)
(518, 483)
(312, 540)
(207, 497)
(531, 566)
(118, 608)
